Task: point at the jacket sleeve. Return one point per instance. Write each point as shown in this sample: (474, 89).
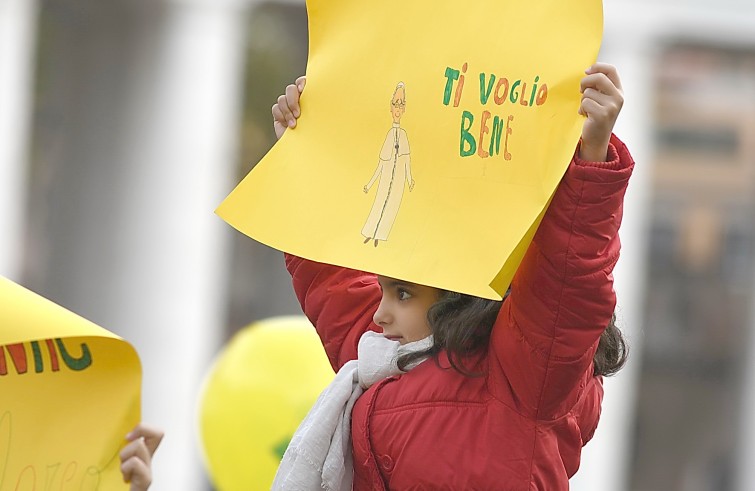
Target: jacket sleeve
(562, 296)
(339, 302)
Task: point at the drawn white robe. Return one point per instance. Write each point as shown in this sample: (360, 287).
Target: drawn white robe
(394, 169)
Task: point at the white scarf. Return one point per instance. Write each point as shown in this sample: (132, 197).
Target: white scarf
(319, 455)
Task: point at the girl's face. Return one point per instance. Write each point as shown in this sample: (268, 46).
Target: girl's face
(402, 313)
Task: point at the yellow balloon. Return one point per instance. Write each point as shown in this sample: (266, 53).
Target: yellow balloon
(256, 394)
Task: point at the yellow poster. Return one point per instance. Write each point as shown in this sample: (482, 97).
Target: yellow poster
(432, 136)
(69, 393)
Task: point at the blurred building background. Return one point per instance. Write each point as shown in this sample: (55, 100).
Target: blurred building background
(123, 123)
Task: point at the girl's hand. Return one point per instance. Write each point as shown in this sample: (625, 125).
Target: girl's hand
(602, 99)
(286, 111)
(136, 456)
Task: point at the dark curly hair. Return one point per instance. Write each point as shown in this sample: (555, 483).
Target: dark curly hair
(461, 324)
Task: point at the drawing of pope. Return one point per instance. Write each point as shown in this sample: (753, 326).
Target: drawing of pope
(392, 172)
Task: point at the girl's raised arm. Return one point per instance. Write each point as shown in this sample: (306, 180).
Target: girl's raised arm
(562, 296)
(339, 302)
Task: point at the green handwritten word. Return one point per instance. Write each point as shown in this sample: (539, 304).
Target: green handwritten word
(20, 359)
(468, 145)
(453, 75)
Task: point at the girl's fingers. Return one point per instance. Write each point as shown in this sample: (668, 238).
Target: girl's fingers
(133, 468)
(138, 449)
(609, 71)
(137, 473)
(287, 110)
(279, 129)
(136, 460)
(150, 436)
(591, 108)
(136, 456)
(127, 469)
(288, 117)
(278, 116)
(599, 97)
(144, 430)
(300, 83)
(292, 98)
(599, 82)
(599, 88)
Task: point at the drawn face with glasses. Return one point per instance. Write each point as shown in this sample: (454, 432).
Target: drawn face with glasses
(398, 104)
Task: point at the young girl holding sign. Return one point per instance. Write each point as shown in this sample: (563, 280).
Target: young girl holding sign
(450, 391)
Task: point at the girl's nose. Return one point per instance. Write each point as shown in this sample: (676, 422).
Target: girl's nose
(381, 315)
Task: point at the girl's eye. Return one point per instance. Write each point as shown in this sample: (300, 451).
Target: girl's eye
(403, 294)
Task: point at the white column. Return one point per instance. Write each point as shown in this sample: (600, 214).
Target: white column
(182, 132)
(606, 459)
(17, 39)
(744, 458)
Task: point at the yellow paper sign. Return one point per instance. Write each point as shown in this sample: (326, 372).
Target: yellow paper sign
(69, 393)
(432, 136)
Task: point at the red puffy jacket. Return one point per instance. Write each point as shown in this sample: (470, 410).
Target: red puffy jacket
(522, 425)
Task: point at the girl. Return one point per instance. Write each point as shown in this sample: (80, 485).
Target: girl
(502, 395)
